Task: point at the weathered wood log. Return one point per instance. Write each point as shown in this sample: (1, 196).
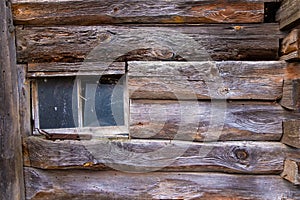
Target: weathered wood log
(95, 12)
(291, 171)
(291, 133)
(91, 185)
(206, 80)
(196, 121)
(11, 164)
(151, 155)
(290, 48)
(289, 14)
(291, 87)
(168, 42)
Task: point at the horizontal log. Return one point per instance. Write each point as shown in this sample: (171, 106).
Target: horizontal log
(168, 42)
(206, 80)
(145, 156)
(290, 49)
(291, 87)
(291, 171)
(289, 14)
(74, 69)
(94, 12)
(90, 185)
(291, 133)
(206, 121)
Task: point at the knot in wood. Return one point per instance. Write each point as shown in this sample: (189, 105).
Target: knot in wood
(241, 154)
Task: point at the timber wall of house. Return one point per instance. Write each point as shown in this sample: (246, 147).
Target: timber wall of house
(175, 93)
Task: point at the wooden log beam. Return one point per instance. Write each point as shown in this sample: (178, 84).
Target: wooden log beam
(291, 133)
(90, 185)
(11, 165)
(206, 80)
(183, 120)
(93, 12)
(168, 42)
(291, 171)
(289, 14)
(151, 155)
(290, 48)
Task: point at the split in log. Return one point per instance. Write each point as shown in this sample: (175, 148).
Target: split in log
(129, 43)
(291, 87)
(290, 49)
(289, 14)
(155, 155)
(291, 171)
(207, 121)
(91, 185)
(94, 12)
(206, 80)
(291, 133)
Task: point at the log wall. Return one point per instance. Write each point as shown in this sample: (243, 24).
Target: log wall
(211, 98)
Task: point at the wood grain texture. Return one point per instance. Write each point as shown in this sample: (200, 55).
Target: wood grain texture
(289, 14)
(93, 12)
(291, 171)
(168, 42)
(291, 133)
(200, 121)
(206, 80)
(151, 155)
(11, 171)
(91, 185)
(290, 47)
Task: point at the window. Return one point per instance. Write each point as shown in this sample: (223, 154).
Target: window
(82, 104)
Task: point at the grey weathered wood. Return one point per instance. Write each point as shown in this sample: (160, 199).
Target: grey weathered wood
(150, 155)
(93, 12)
(206, 80)
(11, 165)
(289, 14)
(291, 133)
(168, 42)
(291, 171)
(194, 120)
(290, 48)
(291, 87)
(91, 185)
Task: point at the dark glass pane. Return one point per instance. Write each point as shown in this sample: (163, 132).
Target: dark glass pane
(104, 102)
(55, 103)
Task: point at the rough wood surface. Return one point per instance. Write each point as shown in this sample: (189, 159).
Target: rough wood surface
(91, 185)
(290, 48)
(291, 171)
(151, 155)
(194, 120)
(94, 12)
(291, 87)
(168, 42)
(289, 14)
(11, 168)
(291, 133)
(206, 80)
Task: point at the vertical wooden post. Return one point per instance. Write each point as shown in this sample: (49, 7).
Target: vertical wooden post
(11, 165)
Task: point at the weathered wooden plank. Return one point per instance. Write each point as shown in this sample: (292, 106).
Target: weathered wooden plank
(290, 49)
(151, 155)
(74, 69)
(11, 164)
(194, 120)
(291, 171)
(95, 12)
(90, 185)
(289, 14)
(168, 42)
(206, 80)
(291, 133)
(291, 87)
